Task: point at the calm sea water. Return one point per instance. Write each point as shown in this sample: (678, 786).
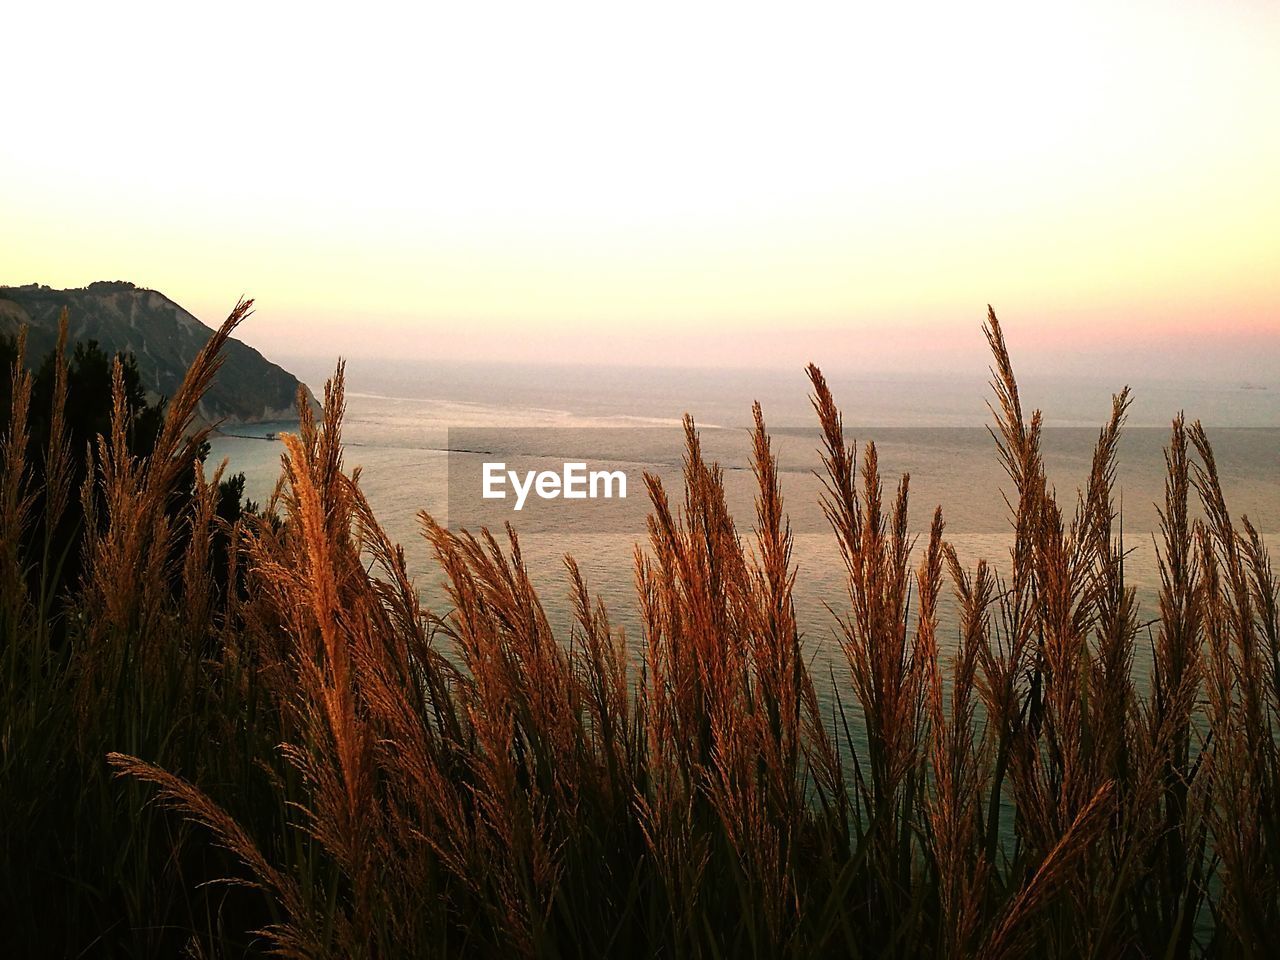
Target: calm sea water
(403, 419)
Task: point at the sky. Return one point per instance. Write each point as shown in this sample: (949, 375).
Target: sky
(664, 183)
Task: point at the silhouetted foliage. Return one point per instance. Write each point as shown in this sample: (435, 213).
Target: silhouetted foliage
(86, 416)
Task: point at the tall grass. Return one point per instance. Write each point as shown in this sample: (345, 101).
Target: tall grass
(348, 774)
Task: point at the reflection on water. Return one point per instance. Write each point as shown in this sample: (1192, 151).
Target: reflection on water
(403, 442)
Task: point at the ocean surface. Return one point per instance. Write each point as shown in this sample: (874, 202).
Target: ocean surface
(421, 432)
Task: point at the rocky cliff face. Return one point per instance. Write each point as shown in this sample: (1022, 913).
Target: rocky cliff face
(165, 339)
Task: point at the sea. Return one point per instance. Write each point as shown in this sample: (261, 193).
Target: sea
(421, 433)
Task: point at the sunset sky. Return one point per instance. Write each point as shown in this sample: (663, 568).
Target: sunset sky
(727, 182)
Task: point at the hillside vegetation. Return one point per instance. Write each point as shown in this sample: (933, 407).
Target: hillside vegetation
(163, 338)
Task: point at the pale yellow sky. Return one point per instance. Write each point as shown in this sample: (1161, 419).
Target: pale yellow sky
(593, 180)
